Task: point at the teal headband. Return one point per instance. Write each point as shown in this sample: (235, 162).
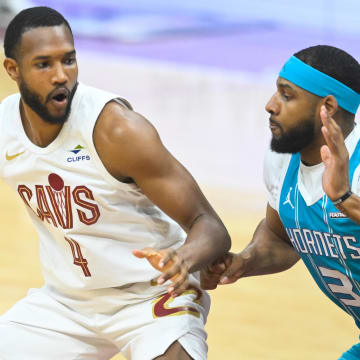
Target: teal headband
(319, 83)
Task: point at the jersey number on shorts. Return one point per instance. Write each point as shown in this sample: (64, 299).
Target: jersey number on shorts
(346, 286)
(161, 307)
(78, 257)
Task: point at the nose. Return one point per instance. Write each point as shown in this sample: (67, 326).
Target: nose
(59, 75)
(273, 105)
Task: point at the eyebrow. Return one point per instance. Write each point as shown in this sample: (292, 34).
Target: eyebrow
(287, 86)
(46, 57)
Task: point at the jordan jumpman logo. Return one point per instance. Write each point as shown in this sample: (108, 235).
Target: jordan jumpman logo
(288, 201)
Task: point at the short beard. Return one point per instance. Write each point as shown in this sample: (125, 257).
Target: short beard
(33, 100)
(296, 139)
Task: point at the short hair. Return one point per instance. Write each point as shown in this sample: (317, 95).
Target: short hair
(333, 62)
(40, 16)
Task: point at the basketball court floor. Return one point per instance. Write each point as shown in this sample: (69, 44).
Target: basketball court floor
(278, 317)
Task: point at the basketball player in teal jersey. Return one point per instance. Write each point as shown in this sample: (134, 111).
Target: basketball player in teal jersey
(100, 187)
(312, 174)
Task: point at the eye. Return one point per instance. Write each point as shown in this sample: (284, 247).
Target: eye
(42, 65)
(285, 96)
(69, 61)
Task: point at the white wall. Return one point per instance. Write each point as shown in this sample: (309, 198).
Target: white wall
(341, 16)
(213, 122)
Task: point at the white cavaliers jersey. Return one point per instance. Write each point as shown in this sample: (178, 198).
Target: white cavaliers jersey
(88, 222)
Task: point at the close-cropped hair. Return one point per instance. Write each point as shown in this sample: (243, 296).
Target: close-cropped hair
(40, 16)
(333, 62)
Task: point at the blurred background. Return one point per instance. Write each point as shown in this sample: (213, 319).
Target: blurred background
(201, 72)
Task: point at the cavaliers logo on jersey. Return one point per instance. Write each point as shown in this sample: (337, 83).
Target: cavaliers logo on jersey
(55, 202)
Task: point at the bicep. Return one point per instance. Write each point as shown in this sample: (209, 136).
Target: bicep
(130, 146)
(275, 242)
(275, 226)
(169, 185)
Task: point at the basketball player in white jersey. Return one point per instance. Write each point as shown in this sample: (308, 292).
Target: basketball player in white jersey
(99, 187)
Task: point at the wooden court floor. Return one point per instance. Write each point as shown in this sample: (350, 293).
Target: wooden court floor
(277, 317)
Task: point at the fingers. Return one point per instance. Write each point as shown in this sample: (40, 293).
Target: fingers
(175, 269)
(167, 256)
(180, 284)
(234, 270)
(230, 279)
(210, 275)
(230, 269)
(171, 265)
(142, 253)
(208, 279)
(325, 154)
(155, 257)
(330, 130)
(218, 267)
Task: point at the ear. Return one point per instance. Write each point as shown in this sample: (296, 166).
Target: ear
(12, 68)
(331, 104)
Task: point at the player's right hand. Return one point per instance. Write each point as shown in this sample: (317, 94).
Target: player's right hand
(224, 271)
(172, 266)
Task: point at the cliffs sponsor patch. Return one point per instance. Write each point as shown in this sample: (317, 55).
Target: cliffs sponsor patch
(76, 151)
(78, 158)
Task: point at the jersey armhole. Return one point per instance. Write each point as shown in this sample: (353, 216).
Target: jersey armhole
(95, 156)
(122, 102)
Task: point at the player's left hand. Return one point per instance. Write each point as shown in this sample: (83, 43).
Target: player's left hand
(335, 180)
(172, 266)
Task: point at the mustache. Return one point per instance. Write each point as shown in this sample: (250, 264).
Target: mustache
(274, 122)
(64, 89)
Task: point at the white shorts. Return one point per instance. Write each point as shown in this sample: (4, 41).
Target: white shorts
(39, 327)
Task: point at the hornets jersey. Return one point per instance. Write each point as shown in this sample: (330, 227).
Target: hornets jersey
(327, 241)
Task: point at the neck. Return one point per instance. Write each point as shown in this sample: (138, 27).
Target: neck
(311, 154)
(39, 132)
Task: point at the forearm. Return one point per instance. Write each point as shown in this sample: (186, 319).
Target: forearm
(207, 240)
(267, 253)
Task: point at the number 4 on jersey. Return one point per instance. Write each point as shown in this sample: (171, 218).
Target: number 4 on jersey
(78, 257)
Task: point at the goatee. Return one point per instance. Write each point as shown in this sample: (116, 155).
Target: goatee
(294, 140)
(33, 100)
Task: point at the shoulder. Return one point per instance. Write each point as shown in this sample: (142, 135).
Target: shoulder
(10, 101)
(119, 123)
(275, 166)
(126, 142)
(9, 107)
(91, 97)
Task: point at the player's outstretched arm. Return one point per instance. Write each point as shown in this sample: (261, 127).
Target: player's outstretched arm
(130, 147)
(270, 251)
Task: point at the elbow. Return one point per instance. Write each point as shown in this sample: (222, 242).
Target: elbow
(224, 239)
(227, 241)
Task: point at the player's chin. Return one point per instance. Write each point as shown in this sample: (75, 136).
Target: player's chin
(57, 118)
(57, 114)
